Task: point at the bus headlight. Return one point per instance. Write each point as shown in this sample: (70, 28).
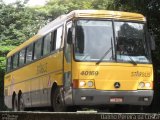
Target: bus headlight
(90, 84)
(147, 85)
(141, 84)
(82, 83)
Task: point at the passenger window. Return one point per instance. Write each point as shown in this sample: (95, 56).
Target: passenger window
(29, 53)
(38, 49)
(59, 37)
(53, 42)
(47, 44)
(67, 48)
(15, 60)
(21, 57)
(56, 38)
(8, 64)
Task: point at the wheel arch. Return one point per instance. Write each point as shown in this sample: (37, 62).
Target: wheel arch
(13, 97)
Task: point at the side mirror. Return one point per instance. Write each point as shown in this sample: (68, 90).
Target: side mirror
(152, 42)
(151, 39)
(69, 36)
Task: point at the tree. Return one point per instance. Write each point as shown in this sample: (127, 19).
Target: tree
(55, 8)
(150, 9)
(17, 24)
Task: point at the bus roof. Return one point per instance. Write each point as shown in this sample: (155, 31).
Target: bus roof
(118, 15)
(108, 14)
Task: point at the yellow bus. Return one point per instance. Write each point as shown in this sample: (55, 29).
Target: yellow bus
(84, 58)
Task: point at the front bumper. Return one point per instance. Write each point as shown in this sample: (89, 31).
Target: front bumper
(91, 97)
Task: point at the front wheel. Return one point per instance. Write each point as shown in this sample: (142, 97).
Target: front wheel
(58, 103)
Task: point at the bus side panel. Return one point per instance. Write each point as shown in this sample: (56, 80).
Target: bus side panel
(35, 81)
(51, 68)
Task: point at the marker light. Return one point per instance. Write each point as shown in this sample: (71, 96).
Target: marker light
(75, 83)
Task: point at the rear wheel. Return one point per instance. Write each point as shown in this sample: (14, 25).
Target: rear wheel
(58, 103)
(15, 104)
(21, 103)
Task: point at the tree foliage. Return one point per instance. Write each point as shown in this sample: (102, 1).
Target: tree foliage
(54, 8)
(17, 24)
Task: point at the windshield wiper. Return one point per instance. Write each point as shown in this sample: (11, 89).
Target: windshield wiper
(132, 61)
(100, 60)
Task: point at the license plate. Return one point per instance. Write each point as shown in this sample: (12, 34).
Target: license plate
(116, 100)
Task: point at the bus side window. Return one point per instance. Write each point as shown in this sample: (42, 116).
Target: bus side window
(59, 37)
(29, 53)
(56, 39)
(15, 60)
(8, 64)
(38, 49)
(67, 47)
(21, 57)
(53, 42)
(47, 44)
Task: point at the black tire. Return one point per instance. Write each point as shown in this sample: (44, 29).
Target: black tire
(21, 106)
(58, 103)
(15, 103)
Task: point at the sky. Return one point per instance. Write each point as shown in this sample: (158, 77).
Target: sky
(30, 3)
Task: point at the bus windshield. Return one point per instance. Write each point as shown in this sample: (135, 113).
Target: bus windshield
(130, 42)
(95, 38)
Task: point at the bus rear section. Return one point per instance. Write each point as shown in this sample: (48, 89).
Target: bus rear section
(113, 84)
